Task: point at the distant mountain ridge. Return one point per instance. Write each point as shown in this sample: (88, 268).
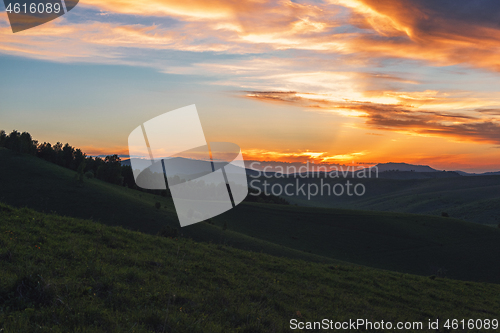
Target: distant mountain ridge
(391, 166)
(494, 173)
(179, 167)
(390, 170)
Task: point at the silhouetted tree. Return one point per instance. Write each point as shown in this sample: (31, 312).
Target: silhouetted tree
(21, 143)
(128, 176)
(26, 144)
(46, 152)
(3, 137)
(79, 158)
(93, 164)
(110, 170)
(67, 156)
(58, 153)
(13, 141)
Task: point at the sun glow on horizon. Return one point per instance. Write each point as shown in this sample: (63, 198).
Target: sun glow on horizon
(335, 81)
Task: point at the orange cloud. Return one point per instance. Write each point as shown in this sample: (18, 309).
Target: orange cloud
(432, 31)
(426, 30)
(471, 126)
(97, 42)
(327, 74)
(220, 26)
(441, 32)
(97, 151)
(228, 14)
(300, 156)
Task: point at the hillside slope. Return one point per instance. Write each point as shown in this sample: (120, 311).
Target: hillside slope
(27, 181)
(473, 199)
(416, 244)
(66, 275)
(406, 243)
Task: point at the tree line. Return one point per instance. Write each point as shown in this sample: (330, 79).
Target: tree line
(108, 169)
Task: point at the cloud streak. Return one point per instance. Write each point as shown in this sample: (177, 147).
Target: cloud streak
(414, 67)
(442, 33)
(398, 117)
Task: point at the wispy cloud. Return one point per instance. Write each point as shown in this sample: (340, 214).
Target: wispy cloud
(415, 67)
(302, 156)
(399, 117)
(440, 33)
(99, 151)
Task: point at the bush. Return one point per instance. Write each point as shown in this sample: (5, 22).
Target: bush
(89, 174)
(158, 205)
(443, 214)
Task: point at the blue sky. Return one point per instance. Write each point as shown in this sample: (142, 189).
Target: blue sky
(336, 81)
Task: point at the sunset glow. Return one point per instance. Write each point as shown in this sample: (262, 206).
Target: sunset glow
(333, 81)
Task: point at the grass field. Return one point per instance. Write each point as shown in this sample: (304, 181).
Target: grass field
(67, 275)
(30, 182)
(473, 199)
(416, 244)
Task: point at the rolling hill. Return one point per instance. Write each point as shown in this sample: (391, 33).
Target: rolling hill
(26, 181)
(407, 243)
(62, 274)
(473, 199)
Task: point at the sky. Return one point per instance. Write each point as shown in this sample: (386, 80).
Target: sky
(333, 81)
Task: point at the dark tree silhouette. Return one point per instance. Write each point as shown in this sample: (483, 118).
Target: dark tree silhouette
(13, 141)
(58, 153)
(27, 144)
(79, 158)
(67, 157)
(128, 176)
(3, 137)
(46, 152)
(111, 170)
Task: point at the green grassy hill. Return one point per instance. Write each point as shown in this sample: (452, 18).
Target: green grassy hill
(473, 199)
(67, 275)
(407, 243)
(415, 244)
(26, 181)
